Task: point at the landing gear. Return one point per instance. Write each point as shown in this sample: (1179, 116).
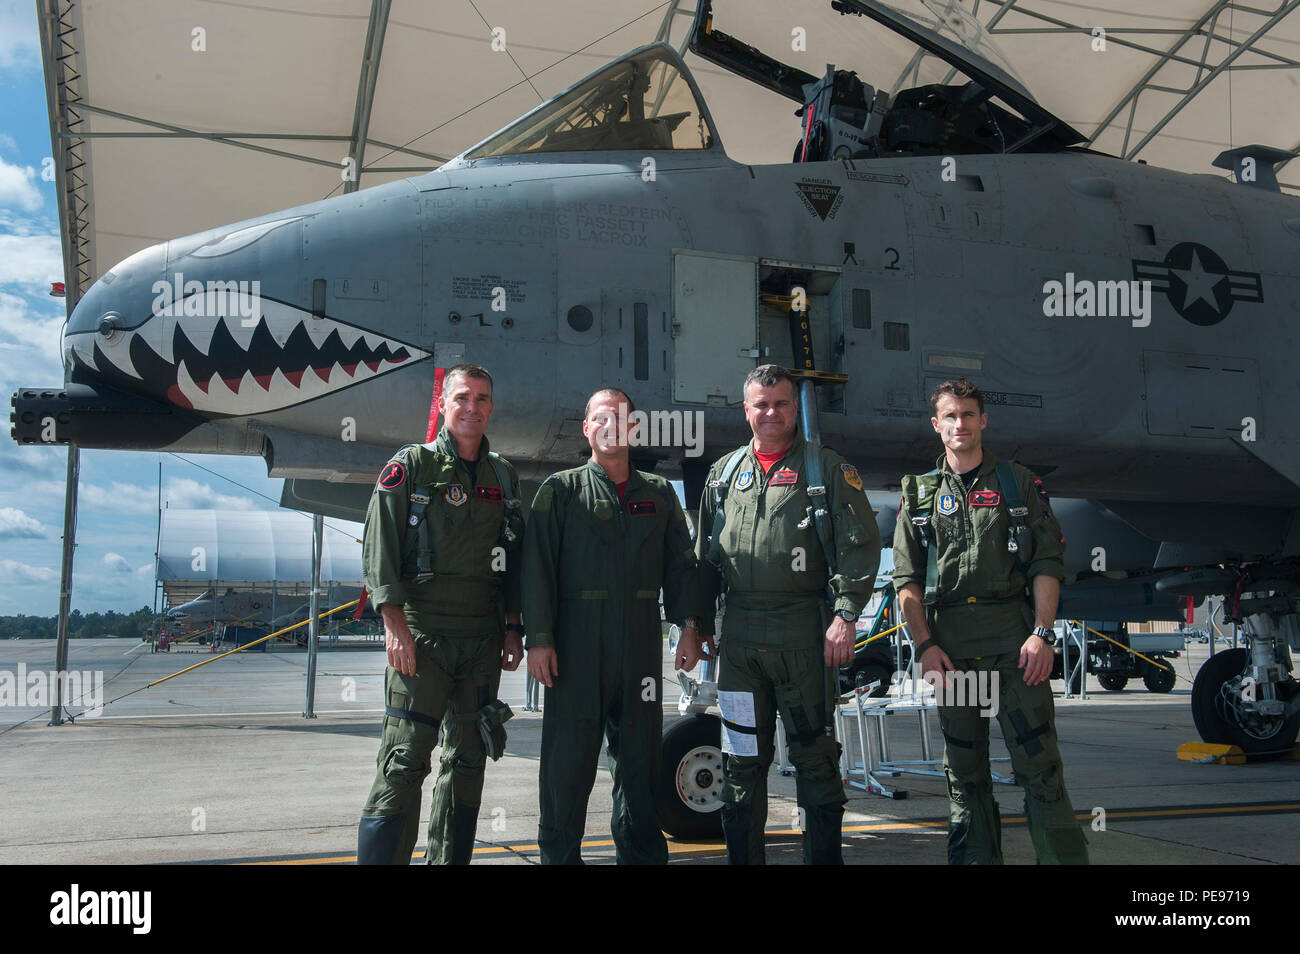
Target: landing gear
(1225, 708)
(1248, 697)
(691, 779)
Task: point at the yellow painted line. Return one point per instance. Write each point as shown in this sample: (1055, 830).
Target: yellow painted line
(703, 847)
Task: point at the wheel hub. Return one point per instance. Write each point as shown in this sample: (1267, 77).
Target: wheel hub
(1235, 709)
(699, 779)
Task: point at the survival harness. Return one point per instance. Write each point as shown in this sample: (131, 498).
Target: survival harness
(417, 546)
(922, 508)
(816, 499)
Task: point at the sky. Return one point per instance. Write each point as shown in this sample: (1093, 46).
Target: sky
(118, 509)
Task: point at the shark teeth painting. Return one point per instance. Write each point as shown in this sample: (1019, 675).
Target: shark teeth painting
(231, 365)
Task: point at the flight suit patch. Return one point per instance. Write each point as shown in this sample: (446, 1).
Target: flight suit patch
(392, 476)
(1042, 491)
(642, 508)
(784, 478)
(984, 498)
(851, 476)
(489, 493)
(947, 504)
(603, 510)
(745, 480)
(456, 495)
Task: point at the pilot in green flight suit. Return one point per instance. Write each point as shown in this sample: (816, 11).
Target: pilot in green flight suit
(970, 537)
(440, 561)
(603, 539)
(775, 640)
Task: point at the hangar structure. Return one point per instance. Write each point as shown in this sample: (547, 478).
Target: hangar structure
(168, 119)
(201, 550)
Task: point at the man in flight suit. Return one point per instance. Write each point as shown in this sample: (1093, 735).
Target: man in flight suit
(971, 536)
(602, 540)
(776, 641)
(440, 561)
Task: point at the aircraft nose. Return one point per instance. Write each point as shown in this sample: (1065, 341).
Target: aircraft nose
(114, 306)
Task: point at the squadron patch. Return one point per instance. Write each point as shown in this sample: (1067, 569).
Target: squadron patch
(851, 476)
(392, 476)
(984, 498)
(642, 508)
(745, 480)
(456, 495)
(489, 493)
(784, 478)
(947, 504)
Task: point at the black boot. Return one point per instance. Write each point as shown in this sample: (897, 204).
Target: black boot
(378, 838)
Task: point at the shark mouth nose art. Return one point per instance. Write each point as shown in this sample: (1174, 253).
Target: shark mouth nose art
(228, 364)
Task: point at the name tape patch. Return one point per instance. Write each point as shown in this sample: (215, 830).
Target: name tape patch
(784, 477)
(489, 493)
(642, 508)
(984, 498)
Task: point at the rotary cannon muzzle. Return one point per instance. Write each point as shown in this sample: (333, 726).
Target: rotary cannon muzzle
(95, 417)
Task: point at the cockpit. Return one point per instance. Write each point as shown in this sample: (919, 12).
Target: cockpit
(953, 92)
(644, 101)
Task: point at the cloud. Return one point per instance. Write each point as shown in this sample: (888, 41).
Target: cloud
(186, 494)
(119, 497)
(32, 259)
(16, 572)
(18, 188)
(16, 525)
(29, 331)
(20, 44)
(116, 563)
(47, 464)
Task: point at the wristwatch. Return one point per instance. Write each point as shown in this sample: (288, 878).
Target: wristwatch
(691, 622)
(847, 615)
(1046, 635)
(514, 628)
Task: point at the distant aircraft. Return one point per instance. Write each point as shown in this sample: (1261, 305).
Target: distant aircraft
(1132, 327)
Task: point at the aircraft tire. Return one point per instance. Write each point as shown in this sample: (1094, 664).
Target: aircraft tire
(691, 778)
(1214, 724)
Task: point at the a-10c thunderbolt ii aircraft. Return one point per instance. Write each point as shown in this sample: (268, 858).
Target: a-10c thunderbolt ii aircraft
(953, 226)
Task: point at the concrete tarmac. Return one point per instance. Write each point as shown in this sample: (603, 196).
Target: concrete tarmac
(219, 766)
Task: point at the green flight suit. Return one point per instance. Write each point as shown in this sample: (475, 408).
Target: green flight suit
(772, 649)
(457, 617)
(593, 569)
(981, 616)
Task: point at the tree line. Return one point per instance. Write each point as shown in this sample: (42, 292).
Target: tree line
(80, 625)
